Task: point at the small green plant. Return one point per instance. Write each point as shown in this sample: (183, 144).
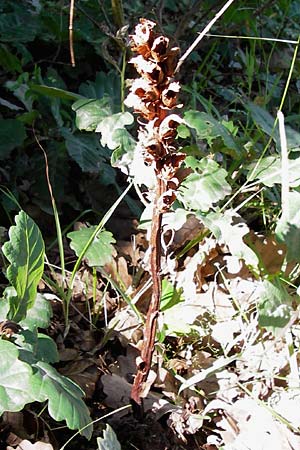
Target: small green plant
(27, 355)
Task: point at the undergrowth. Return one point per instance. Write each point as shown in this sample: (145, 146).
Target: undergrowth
(150, 257)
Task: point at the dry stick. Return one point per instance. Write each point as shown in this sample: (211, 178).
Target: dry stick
(203, 33)
(153, 310)
(72, 56)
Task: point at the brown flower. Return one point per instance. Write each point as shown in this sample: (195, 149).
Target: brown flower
(153, 96)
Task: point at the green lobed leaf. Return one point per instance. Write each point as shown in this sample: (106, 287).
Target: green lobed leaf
(34, 346)
(46, 350)
(14, 379)
(288, 227)
(28, 380)
(205, 187)
(109, 441)
(85, 150)
(25, 252)
(90, 112)
(12, 135)
(100, 251)
(109, 126)
(39, 315)
(274, 305)
(208, 128)
(64, 398)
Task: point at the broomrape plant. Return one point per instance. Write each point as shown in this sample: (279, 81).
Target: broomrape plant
(153, 96)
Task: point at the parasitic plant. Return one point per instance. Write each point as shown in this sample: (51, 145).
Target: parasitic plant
(154, 96)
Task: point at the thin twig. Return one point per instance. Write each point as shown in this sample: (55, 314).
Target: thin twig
(72, 55)
(252, 38)
(203, 33)
(55, 212)
(284, 166)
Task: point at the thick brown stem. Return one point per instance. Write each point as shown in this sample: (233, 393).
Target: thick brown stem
(153, 310)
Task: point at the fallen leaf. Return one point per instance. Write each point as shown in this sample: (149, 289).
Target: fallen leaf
(247, 425)
(27, 445)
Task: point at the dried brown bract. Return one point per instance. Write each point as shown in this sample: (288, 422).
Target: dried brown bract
(153, 96)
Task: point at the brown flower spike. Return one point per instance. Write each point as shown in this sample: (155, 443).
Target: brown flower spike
(153, 96)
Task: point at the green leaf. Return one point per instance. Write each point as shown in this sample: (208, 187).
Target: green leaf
(85, 150)
(90, 112)
(229, 228)
(4, 307)
(64, 398)
(34, 346)
(205, 187)
(105, 85)
(12, 135)
(46, 349)
(54, 92)
(265, 121)
(18, 26)
(268, 171)
(109, 441)
(39, 315)
(170, 296)
(208, 128)
(14, 379)
(109, 127)
(25, 252)
(183, 131)
(274, 305)
(288, 227)
(9, 61)
(124, 155)
(100, 251)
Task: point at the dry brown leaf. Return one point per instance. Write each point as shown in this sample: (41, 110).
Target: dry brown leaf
(117, 391)
(68, 354)
(27, 445)
(271, 252)
(126, 364)
(246, 425)
(192, 278)
(262, 359)
(217, 302)
(287, 404)
(15, 422)
(125, 323)
(224, 332)
(85, 373)
(189, 230)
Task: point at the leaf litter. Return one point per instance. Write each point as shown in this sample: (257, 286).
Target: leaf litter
(219, 380)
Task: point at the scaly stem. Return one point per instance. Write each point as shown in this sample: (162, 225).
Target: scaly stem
(153, 310)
